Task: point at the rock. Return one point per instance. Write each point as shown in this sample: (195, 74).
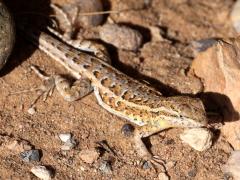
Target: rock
(13, 146)
(127, 130)
(31, 110)
(90, 6)
(163, 176)
(231, 131)
(146, 165)
(202, 45)
(192, 172)
(84, 6)
(89, 156)
(69, 142)
(105, 167)
(198, 138)
(233, 165)
(41, 172)
(122, 37)
(31, 155)
(65, 137)
(7, 34)
(219, 69)
(156, 33)
(235, 16)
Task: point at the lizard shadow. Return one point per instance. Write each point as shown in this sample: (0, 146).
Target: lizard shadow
(35, 12)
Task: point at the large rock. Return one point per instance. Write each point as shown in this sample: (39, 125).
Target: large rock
(7, 34)
(219, 69)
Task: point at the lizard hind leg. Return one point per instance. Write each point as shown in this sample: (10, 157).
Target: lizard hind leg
(70, 92)
(77, 90)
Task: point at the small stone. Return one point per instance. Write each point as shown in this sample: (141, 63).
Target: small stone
(122, 37)
(41, 172)
(89, 156)
(163, 176)
(70, 144)
(31, 155)
(13, 145)
(65, 137)
(146, 165)
(105, 167)
(202, 45)
(192, 172)
(156, 33)
(233, 165)
(198, 138)
(227, 176)
(235, 16)
(31, 110)
(127, 130)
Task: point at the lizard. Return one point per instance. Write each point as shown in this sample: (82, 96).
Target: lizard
(116, 92)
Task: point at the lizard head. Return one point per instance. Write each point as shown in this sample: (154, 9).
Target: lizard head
(186, 112)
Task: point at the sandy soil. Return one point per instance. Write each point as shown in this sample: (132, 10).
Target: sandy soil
(163, 63)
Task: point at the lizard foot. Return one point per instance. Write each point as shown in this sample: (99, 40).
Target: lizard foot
(45, 90)
(155, 163)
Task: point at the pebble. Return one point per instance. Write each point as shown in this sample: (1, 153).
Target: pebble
(235, 16)
(41, 172)
(31, 155)
(105, 167)
(65, 137)
(68, 145)
(127, 130)
(69, 142)
(203, 44)
(31, 110)
(89, 156)
(146, 165)
(192, 172)
(198, 138)
(122, 37)
(233, 165)
(163, 176)
(156, 33)
(7, 34)
(13, 145)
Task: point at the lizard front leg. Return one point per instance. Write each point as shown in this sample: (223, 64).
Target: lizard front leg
(143, 132)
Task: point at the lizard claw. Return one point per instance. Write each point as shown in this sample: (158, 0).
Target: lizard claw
(155, 163)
